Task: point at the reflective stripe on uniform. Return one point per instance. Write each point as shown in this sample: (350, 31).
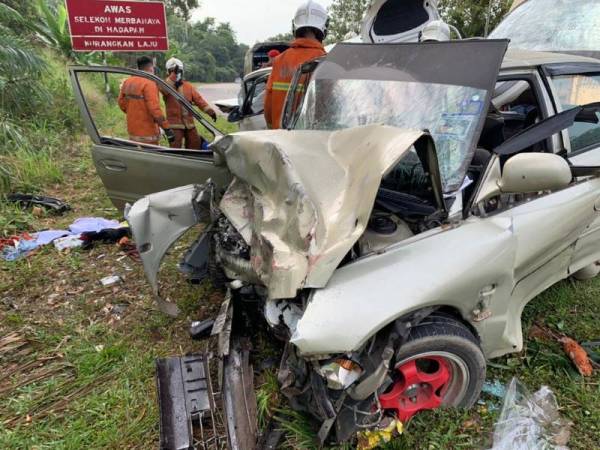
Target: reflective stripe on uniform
(281, 86)
(145, 138)
(134, 97)
(285, 87)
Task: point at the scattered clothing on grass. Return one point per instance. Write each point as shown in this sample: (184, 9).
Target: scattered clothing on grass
(92, 224)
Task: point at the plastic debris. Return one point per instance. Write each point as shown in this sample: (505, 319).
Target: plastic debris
(32, 201)
(111, 281)
(201, 329)
(370, 439)
(495, 388)
(593, 350)
(72, 241)
(341, 373)
(530, 422)
(578, 355)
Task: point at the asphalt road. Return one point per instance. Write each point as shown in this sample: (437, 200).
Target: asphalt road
(218, 91)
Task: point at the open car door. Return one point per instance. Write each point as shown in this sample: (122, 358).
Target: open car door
(250, 108)
(130, 170)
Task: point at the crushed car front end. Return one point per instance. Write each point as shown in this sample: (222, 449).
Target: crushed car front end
(332, 233)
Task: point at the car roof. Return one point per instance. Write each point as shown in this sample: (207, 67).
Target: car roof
(519, 59)
(257, 73)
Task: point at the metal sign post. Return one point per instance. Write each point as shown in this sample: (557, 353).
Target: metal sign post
(106, 85)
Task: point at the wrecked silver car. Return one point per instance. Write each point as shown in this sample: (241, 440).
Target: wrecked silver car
(392, 236)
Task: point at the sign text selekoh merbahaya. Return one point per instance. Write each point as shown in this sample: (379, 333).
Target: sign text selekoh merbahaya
(117, 26)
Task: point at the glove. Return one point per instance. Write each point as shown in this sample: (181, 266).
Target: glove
(212, 114)
(170, 135)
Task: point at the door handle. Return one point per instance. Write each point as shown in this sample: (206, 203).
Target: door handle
(113, 165)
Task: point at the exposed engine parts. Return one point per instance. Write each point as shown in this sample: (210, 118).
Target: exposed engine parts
(229, 240)
(383, 231)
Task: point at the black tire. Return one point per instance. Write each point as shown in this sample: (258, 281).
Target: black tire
(444, 335)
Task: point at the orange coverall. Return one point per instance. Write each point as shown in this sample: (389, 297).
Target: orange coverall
(284, 67)
(180, 119)
(139, 99)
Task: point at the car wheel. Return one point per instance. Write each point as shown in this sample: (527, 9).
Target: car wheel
(587, 273)
(440, 365)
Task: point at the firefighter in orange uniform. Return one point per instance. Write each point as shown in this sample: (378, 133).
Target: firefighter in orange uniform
(139, 99)
(310, 29)
(180, 119)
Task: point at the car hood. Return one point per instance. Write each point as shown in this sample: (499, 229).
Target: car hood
(301, 199)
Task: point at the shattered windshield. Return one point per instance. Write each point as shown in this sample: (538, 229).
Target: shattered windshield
(440, 87)
(553, 25)
(450, 113)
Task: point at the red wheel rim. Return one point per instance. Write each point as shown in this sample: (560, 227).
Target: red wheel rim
(421, 385)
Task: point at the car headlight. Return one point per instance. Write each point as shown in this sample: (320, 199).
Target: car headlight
(340, 373)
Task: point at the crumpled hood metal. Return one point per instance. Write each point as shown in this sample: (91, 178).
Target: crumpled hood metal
(301, 199)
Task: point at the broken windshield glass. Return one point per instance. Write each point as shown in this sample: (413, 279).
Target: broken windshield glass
(553, 25)
(450, 113)
(427, 86)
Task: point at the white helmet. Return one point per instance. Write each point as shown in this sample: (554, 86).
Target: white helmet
(311, 15)
(174, 62)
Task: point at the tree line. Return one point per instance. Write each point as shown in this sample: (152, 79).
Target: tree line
(472, 17)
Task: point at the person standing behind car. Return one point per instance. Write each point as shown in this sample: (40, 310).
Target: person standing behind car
(139, 99)
(182, 122)
(310, 29)
(272, 55)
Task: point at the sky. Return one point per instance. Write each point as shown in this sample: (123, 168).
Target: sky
(253, 20)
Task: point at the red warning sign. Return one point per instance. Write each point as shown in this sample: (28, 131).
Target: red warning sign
(117, 26)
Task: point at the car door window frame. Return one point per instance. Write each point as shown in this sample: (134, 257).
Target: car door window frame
(512, 201)
(90, 123)
(547, 109)
(549, 71)
(542, 97)
(290, 117)
(250, 91)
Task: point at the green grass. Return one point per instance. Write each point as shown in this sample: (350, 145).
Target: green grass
(102, 393)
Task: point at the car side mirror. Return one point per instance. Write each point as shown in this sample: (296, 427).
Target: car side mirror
(234, 115)
(534, 172)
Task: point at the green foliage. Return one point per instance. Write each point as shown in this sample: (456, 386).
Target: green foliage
(13, 219)
(52, 28)
(181, 8)
(29, 170)
(474, 18)
(346, 18)
(21, 66)
(282, 37)
(469, 16)
(209, 50)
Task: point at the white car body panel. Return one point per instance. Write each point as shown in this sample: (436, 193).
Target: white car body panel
(526, 260)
